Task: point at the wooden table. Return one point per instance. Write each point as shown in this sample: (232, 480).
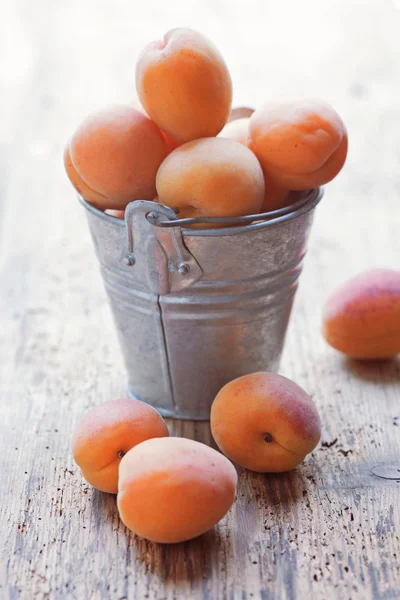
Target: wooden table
(330, 529)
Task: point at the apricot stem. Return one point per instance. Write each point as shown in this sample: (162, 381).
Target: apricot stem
(121, 453)
(268, 438)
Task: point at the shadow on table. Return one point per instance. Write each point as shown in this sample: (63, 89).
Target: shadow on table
(377, 371)
(272, 489)
(187, 563)
(199, 431)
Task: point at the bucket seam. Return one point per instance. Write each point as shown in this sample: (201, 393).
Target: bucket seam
(164, 335)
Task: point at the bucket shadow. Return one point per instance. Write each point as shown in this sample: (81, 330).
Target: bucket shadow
(376, 371)
(200, 431)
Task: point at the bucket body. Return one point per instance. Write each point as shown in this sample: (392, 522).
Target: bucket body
(195, 308)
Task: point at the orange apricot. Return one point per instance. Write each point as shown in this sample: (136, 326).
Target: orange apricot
(116, 152)
(265, 422)
(174, 489)
(184, 85)
(362, 317)
(107, 432)
(302, 144)
(211, 177)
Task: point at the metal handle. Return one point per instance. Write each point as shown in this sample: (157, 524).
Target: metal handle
(160, 256)
(233, 221)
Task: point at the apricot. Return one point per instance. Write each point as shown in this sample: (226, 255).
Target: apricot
(107, 432)
(362, 317)
(184, 85)
(237, 130)
(116, 152)
(301, 144)
(174, 489)
(265, 422)
(211, 177)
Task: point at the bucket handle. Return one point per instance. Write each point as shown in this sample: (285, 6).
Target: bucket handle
(160, 255)
(234, 221)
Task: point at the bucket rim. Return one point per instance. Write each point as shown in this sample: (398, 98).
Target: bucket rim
(308, 200)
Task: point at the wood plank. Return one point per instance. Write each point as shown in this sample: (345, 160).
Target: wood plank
(331, 528)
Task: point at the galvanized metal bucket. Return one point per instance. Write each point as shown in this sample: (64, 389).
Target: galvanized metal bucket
(195, 308)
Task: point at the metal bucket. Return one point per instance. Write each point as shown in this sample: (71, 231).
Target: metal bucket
(195, 308)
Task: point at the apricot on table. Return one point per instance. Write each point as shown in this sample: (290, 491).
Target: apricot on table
(302, 145)
(362, 316)
(116, 152)
(174, 489)
(211, 177)
(265, 422)
(184, 85)
(107, 432)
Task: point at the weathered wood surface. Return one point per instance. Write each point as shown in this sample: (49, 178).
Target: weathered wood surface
(328, 530)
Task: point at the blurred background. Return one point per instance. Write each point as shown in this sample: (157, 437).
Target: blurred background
(61, 60)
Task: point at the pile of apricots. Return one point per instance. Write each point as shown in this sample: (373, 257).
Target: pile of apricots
(175, 144)
(178, 147)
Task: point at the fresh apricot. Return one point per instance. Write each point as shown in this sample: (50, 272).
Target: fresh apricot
(211, 177)
(265, 422)
(184, 85)
(107, 432)
(302, 145)
(362, 317)
(116, 152)
(174, 489)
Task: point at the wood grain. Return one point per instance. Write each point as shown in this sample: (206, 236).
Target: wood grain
(331, 528)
